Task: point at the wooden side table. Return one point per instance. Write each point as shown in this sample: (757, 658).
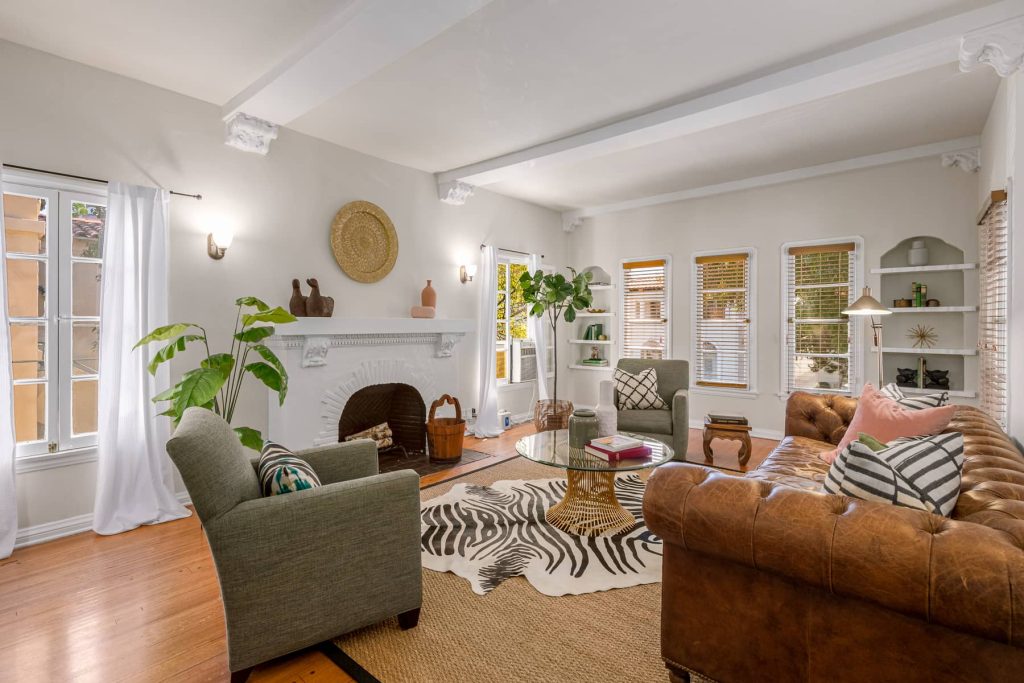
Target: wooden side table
(741, 433)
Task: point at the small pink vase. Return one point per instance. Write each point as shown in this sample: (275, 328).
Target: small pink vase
(428, 297)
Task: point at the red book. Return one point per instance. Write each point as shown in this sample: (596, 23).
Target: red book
(628, 454)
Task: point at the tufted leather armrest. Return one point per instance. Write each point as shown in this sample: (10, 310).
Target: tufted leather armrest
(823, 417)
(961, 575)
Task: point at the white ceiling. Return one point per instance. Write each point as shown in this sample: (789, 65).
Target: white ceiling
(522, 72)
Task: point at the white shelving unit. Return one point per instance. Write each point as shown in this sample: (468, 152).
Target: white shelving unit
(592, 342)
(935, 309)
(943, 267)
(604, 297)
(952, 392)
(586, 314)
(926, 352)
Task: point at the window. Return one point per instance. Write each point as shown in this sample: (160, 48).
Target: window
(821, 344)
(645, 305)
(514, 351)
(54, 240)
(993, 253)
(722, 334)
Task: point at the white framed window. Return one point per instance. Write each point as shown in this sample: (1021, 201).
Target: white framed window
(646, 302)
(516, 361)
(724, 336)
(822, 348)
(54, 246)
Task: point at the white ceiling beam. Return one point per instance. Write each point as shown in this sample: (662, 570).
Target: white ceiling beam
(363, 37)
(891, 57)
(966, 145)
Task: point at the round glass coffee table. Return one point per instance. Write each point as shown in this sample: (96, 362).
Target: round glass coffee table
(589, 507)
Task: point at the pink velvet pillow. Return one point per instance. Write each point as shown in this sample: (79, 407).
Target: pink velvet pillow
(886, 420)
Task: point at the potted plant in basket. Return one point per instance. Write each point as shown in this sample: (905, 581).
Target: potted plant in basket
(217, 383)
(557, 297)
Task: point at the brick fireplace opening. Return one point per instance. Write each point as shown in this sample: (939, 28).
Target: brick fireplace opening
(398, 404)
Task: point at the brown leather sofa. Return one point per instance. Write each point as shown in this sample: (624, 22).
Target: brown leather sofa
(767, 578)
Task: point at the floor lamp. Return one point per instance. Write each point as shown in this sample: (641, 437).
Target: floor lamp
(868, 305)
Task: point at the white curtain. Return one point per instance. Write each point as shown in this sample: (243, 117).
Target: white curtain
(540, 332)
(135, 479)
(487, 423)
(8, 502)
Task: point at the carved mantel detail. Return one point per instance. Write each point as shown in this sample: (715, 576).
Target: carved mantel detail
(1001, 46)
(967, 160)
(250, 134)
(455, 192)
(315, 347)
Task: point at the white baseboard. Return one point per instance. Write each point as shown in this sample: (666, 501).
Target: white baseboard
(756, 432)
(51, 531)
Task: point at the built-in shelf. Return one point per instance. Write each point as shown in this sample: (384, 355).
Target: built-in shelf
(586, 314)
(935, 309)
(598, 288)
(925, 269)
(952, 392)
(592, 342)
(590, 367)
(927, 352)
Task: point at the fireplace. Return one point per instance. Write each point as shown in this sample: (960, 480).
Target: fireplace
(398, 404)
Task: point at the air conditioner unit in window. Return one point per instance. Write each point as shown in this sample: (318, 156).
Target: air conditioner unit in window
(524, 360)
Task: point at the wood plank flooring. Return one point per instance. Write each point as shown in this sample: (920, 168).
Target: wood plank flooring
(145, 605)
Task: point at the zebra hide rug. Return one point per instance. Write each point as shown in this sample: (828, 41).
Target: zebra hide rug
(487, 534)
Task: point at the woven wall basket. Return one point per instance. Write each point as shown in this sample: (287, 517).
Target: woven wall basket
(364, 241)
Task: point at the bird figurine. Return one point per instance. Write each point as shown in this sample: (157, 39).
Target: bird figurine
(297, 304)
(317, 305)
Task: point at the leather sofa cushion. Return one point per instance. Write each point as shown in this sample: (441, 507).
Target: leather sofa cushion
(648, 421)
(795, 463)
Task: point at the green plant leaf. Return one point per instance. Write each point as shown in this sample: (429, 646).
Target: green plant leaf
(169, 351)
(269, 376)
(252, 301)
(271, 358)
(255, 334)
(167, 395)
(569, 315)
(274, 315)
(198, 388)
(222, 362)
(250, 438)
(163, 333)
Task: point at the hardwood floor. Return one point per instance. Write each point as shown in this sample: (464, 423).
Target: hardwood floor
(145, 605)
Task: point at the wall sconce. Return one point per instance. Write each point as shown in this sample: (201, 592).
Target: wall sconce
(217, 243)
(466, 273)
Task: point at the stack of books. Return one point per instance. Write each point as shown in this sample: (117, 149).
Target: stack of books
(617, 447)
(724, 419)
(596, 362)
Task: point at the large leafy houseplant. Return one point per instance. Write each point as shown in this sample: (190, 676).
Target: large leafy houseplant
(217, 383)
(556, 297)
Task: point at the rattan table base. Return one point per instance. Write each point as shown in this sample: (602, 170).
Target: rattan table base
(589, 506)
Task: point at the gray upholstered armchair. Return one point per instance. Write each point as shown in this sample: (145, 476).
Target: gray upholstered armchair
(670, 426)
(300, 568)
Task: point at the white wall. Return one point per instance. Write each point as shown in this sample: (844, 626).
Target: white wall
(883, 205)
(1002, 161)
(68, 117)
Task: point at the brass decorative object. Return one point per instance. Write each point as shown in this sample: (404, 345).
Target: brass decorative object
(923, 336)
(364, 241)
(590, 507)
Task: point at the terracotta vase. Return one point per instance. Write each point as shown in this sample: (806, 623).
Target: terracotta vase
(428, 297)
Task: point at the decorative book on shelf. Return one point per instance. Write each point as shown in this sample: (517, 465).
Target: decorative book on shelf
(725, 419)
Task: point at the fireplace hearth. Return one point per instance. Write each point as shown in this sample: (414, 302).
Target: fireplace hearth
(398, 404)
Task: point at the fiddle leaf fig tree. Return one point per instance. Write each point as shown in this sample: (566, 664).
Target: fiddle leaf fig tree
(217, 383)
(555, 296)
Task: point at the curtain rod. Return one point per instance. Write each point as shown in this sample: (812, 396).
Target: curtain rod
(92, 180)
(511, 251)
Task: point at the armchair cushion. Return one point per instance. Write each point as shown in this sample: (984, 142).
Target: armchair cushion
(646, 421)
(638, 391)
(282, 472)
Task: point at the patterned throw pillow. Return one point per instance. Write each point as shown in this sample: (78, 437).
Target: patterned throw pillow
(914, 402)
(380, 433)
(638, 392)
(921, 473)
(281, 471)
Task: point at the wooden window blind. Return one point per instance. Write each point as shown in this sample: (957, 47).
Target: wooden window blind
(820, 344)
(993, 254)
(645, 309)
(722, 328)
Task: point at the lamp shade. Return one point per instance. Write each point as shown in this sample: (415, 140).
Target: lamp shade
(867, 305)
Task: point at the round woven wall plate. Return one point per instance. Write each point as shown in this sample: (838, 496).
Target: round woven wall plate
(364, 241)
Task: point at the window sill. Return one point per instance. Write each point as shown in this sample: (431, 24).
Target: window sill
(730, 393)
(784, 395)
(49, 461)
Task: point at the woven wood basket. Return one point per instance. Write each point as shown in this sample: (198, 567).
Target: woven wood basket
(445, 434)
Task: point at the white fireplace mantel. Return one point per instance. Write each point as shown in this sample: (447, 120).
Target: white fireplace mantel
(329, 359)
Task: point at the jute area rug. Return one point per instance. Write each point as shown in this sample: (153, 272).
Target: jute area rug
(515, 633)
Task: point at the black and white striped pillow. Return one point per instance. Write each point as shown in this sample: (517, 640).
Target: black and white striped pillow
(915, 402)
(921, 473)
(639, 391)
(281, 471)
